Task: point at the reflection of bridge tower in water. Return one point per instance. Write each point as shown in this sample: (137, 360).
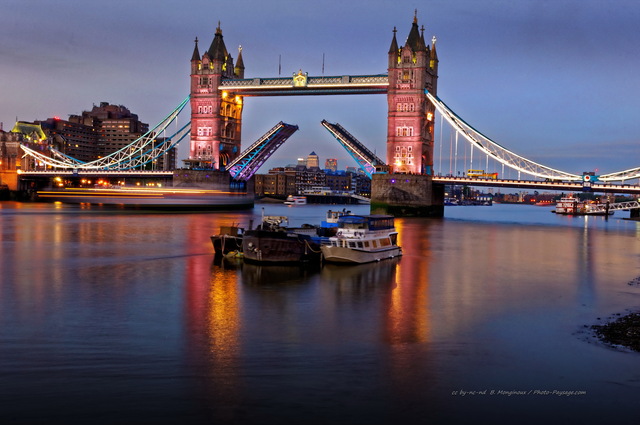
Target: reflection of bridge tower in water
(216, 116)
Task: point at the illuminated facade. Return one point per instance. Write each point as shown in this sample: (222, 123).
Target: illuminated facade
(331, 164)
(313, 161)
(216, 115)
(412, 69)
(96, 133)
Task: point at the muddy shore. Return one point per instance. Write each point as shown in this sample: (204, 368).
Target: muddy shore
(624, 331)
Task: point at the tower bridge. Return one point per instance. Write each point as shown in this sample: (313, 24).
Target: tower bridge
(409, 183)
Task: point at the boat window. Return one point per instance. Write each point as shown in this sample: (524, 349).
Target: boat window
(385, 242)
(366, 244)
(359, 244)
(374, 243)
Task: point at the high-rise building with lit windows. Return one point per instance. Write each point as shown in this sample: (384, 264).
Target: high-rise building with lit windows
(331, 164)
(313, 161)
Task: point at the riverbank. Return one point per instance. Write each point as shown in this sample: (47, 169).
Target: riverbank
(624, 331)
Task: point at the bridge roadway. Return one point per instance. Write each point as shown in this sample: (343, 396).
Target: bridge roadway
(96, 173)
(536, 185)
(286, 86)
(470, 181)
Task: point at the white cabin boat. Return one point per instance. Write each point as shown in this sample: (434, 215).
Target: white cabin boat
(569, 206)
(573, 206)
(362, 239)
(296, 200)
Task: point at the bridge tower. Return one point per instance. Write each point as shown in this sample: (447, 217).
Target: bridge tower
(216, 115)
(407, 189)
(412, 69)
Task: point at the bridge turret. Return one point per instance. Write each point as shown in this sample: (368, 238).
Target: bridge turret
(215, 114)
(410, 118)
(195, 57)
(239, 69)
(394, 52)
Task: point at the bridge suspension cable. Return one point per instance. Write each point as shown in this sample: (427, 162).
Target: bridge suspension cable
(494, 150)
(140, 152)
(632, 173)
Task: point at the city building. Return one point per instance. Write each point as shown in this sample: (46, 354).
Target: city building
(93, 135)
(278, 182)
(331, 164)
(313, 161)
(116, 127)
(294, 180)
(10, 152)
(75, 139)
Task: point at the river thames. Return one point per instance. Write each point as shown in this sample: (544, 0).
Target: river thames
(125, 317)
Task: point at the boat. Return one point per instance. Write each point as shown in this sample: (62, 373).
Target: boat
(228, 241)
(329, 226)
(296, 200)
(569, 206)
(573, 206)
(273, 243)
(362, 239)
(170, 198)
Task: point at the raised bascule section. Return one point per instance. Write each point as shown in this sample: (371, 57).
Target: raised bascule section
(244, 167)
(366, 160)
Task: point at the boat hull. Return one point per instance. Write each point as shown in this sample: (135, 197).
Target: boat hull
(278, 247)
(224, 244)
(339, 254)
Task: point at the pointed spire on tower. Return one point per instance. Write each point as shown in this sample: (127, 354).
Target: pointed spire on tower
(239, 69)
(218, 50)
(196, 52)
(394, 43)
(413, 40)
(240, 63)
(433, 59)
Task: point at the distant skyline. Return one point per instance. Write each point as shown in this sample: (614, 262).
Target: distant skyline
(554, 81)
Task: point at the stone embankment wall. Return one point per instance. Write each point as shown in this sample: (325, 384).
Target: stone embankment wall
(405, 195)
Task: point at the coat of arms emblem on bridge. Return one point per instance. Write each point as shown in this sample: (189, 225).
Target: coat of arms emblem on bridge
(300, 79)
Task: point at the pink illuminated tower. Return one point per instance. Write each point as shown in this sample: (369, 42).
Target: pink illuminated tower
(412, 69)
(216, 115)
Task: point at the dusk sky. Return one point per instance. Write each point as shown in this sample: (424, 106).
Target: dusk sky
(556, 81)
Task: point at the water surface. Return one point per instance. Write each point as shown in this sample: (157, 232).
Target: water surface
(126, 317)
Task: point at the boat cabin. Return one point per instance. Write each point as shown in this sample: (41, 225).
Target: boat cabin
(366, 222)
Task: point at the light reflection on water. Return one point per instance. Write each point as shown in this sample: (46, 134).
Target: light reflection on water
(106, 316)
